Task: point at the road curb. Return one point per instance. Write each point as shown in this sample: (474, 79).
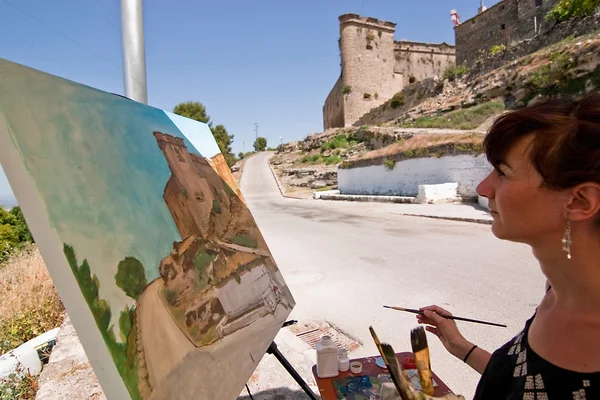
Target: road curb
(279, 184)
(459, 219)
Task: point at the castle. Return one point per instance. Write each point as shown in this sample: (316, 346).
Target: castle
(375, 66)
(506, 22)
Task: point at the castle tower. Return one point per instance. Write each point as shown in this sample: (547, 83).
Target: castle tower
(367, 55)
(187, 194)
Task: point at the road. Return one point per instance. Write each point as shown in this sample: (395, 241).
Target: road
(343, 261)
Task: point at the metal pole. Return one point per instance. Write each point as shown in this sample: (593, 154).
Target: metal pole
(134, 57)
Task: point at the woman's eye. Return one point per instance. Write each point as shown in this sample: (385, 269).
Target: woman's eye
(499, 172)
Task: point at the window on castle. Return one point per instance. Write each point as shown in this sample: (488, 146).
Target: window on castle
(367, 96)
(490, 33)
(538, 3)
(369, 47)
(503, 26)
(179, 154)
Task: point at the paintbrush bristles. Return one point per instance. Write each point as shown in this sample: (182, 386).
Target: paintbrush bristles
(418, 339)
(395, 370)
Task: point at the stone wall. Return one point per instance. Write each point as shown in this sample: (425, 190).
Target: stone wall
(554, 34)
(417, 61)
(333, 110)
(506, 22)
(411, 95)
(375, 67)
(367, 49)
(406, 176)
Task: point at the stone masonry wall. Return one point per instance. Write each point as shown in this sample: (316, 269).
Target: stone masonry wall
(367, 49)
(506, 22)
(333, 110)
(554, 34)
(375, 67)
(417, 61)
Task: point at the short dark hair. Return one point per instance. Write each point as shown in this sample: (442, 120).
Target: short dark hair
(566, 147)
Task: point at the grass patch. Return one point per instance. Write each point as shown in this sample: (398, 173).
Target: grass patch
(338, 142)
(421, 146)
(30, 304)
(469, 118)
(389, 164)
(320, 159)
(245, 240)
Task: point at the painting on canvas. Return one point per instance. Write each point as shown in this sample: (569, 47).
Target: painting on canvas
(161, 266)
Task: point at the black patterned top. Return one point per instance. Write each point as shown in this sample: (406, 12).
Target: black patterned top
(515, 371)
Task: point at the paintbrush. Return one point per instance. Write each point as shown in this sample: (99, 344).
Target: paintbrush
(391, 362)
(418, 339)
(447, 316)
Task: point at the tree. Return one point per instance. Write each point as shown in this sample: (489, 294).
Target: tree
(224, 140)
(241, 155)
(131, 277)
(193, 110)
(260, 144)
(196, 111)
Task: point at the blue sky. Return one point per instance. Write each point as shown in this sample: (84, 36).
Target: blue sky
(272, 62)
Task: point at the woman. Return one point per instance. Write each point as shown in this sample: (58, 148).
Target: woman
(545, 192)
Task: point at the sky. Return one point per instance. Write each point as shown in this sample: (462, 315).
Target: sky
(269, 62)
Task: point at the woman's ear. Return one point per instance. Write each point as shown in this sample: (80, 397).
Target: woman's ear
(585, 202)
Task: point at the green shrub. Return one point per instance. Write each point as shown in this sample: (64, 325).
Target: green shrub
(338, 142)
(567, 9)
(455, 72)
(19, 386)
(389, 164)
(548, 78)
(469, 118)
(14, 232)
(496, 49)
(347, 89)
(397, 100)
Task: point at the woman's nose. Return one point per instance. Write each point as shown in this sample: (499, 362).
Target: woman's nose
(485, 188)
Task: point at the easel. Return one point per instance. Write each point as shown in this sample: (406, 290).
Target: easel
(288, 367)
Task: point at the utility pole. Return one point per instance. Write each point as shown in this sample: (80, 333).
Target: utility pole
(134, 57)
(256, 130)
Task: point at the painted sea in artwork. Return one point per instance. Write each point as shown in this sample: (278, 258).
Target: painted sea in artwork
(169, 260)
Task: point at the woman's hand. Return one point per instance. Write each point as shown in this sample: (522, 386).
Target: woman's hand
(445, 329)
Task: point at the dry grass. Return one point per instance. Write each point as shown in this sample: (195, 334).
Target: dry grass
(419, 142)
(30, 304)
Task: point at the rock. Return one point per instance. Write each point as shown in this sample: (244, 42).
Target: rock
(318, 184)
(68, 374)
(235, 168)
(301, 182)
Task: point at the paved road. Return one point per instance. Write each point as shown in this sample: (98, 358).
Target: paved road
(343, 261)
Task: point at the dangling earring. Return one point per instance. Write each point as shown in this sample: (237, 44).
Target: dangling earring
(566, 240)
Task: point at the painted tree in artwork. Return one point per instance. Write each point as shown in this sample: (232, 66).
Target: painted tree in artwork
(131, 277)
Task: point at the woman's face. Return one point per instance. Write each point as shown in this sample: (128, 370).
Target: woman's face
(522, 209)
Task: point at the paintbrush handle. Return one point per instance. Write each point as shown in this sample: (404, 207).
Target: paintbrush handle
(411, 310)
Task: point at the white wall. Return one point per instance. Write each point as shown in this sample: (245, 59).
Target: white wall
(407, 175)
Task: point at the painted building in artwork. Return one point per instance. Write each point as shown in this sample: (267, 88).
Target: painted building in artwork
(220, 277)
(188, 194)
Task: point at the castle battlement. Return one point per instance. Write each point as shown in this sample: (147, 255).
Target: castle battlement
(367, 22)
(375, 67)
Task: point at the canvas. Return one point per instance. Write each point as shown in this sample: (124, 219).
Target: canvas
(164, 272)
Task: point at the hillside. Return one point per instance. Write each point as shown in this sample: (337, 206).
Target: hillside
(439, 117)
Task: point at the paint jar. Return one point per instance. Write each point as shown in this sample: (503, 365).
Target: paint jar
(327, 358)
(343, 360)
